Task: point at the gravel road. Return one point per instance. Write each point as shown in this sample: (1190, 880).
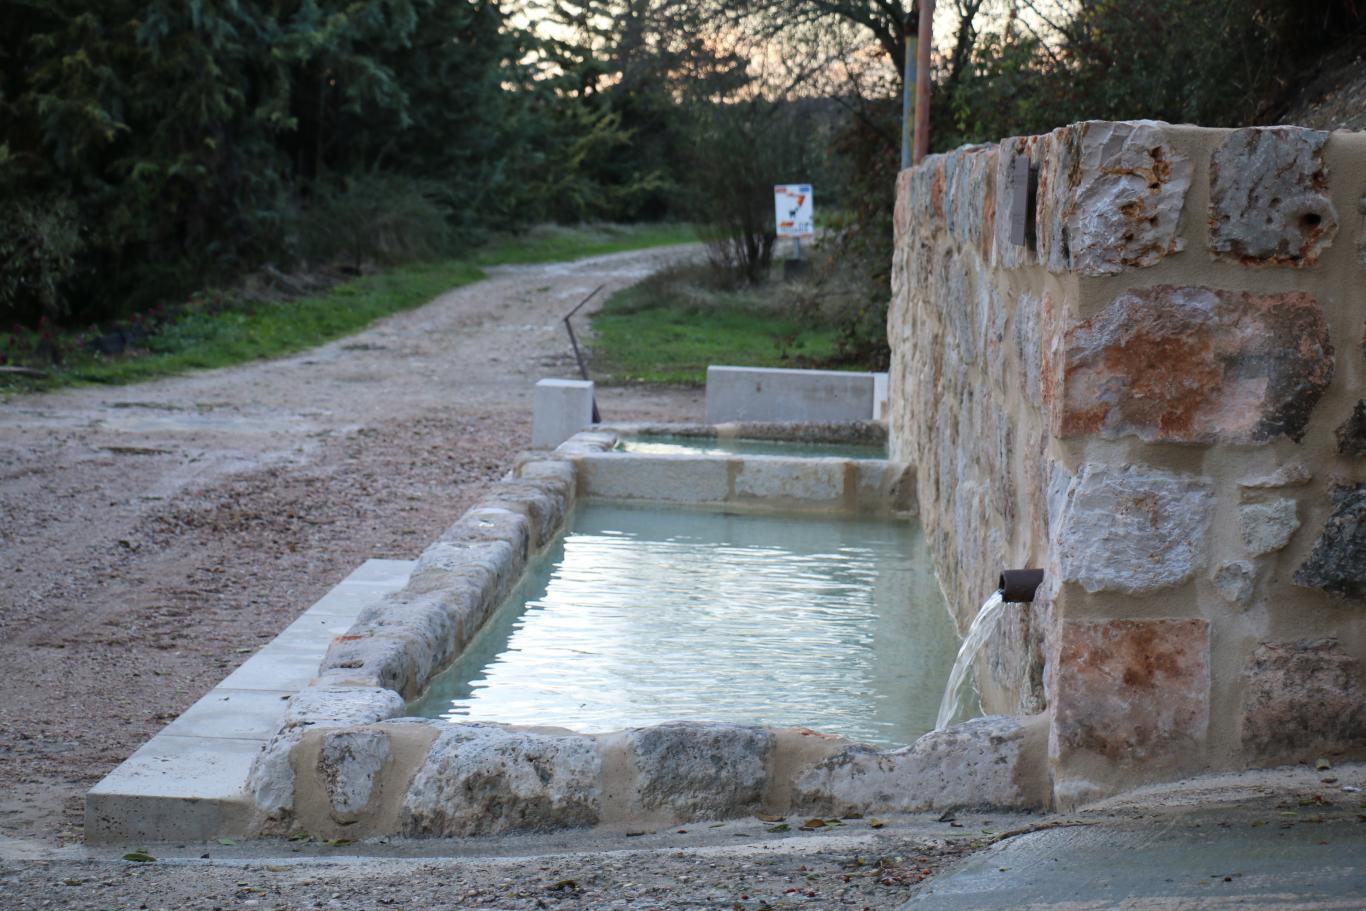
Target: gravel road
(154, 536)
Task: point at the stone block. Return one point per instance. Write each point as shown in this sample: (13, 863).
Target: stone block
(1235, 580)
(1337, 563)
(1302, 697)
(697, 770)
(271, 779)
(1133, 529)
(1292, 475)
(1195, 365)
(481, 779)
(670, 479)
(348, 764)
(774, 394)
(1110, 197)
(1267, 527)
(1131, 690)
(807, 481)
(1269, 203)
(1351, 433)
(986, 762)
(560, 409)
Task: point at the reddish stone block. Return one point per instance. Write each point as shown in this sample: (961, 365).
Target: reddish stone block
(1300, 697)
(1131, 689)
(1195, 365)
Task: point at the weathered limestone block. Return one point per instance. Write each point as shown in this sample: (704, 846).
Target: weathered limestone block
(1292, 475)
(986, 762)
(1235, 580)
(1267, 527)
(1196, 365)
(1338, 562)
(483, 779)
(1110, 197)
(1133, 529)
(970, 200)
(348, 764)
(1131, 690)
(697, 770)
(543, 501)
(1351, 433)
(271, 782)
(1301, 697)
(400, 660)
(1029, 346)
(1269, 203)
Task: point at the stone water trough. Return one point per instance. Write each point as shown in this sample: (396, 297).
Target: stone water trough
(341, 759)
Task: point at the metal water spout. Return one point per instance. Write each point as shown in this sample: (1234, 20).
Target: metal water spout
(1018, 586)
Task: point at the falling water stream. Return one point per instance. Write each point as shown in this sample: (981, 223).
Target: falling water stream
(983, 625)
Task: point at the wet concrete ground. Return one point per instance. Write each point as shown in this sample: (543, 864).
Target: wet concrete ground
(1289, 847)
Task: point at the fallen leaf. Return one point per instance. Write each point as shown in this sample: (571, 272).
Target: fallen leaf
(141, 857)
(226, 841)
(277, 868)
(875, 823)
(781, 827)
(816, 823)
(769, 817)
(73, 882)
(564, 885)
(1322, 765)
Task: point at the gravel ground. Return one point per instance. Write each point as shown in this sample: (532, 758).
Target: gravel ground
(154, 536)
(710, 867)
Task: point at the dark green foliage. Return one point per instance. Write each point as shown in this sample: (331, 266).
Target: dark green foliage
(39, 242)
(187, 141)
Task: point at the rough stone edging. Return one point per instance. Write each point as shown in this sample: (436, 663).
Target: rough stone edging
(345, 762)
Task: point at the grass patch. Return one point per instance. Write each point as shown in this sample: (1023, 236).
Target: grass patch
(668, 328)
(220, 329)
(557, 243)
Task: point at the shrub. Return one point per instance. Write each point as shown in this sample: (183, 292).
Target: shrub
(39, 241)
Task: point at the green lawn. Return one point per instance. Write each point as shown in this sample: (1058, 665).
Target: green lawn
(554, 243)
(207, 335)
(668, 328)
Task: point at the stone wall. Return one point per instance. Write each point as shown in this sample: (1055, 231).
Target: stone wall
(1160, 398)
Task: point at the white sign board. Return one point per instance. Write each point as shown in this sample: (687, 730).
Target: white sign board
(793, 209)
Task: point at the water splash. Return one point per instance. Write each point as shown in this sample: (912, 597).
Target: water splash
(983, 625)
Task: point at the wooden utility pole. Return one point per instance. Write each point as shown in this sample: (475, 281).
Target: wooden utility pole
(922, 80)
(911, 35)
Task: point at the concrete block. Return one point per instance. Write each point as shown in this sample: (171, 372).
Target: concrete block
(561, 409)
(174, 789)
(235, 714)
(670, 479)
(774, 394)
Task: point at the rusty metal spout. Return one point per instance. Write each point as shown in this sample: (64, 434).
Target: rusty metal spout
(1019, 585)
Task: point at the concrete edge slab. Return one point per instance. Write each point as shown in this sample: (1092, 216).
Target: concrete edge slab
(190, 780)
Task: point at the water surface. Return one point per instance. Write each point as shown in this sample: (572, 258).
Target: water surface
(641, 615)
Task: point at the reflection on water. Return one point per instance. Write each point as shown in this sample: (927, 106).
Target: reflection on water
(680, 445)
(643, 615)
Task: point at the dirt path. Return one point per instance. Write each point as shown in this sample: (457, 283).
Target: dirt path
(153, 536)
